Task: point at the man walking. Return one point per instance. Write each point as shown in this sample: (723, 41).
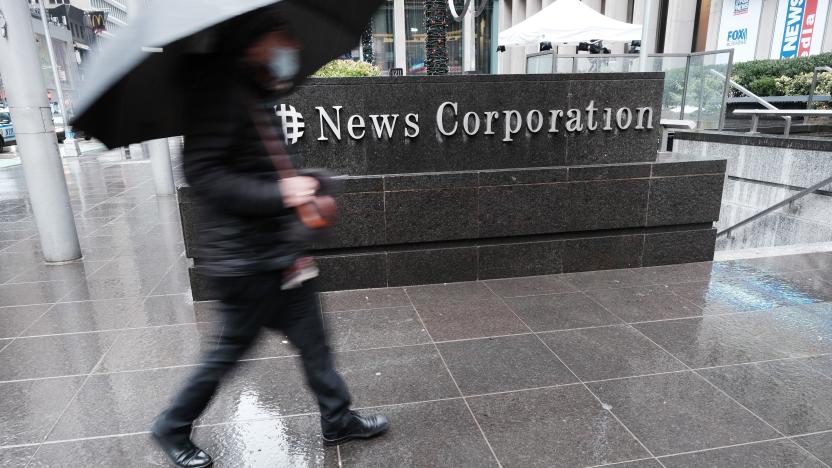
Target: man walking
(250, 239)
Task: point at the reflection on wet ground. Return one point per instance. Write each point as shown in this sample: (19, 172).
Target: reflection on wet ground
(707, 364)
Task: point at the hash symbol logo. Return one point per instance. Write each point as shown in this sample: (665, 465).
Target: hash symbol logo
(292, 122)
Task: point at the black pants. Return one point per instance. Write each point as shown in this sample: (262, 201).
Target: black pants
(249, 304)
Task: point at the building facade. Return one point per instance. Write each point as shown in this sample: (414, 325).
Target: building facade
(117, 16)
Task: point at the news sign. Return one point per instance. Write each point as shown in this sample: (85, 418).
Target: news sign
(739, 26)
(798, 31)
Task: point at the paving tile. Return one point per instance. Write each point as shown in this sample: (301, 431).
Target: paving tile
(560, 312)
(802, 286)
(395, 375)
(73, 317)
(472, 319)
(292, 441)
(375, 328)
(670, 274)
(13, 320)
(110, 288)
(679, 412)
(71, 272)
(530, 286)
(773, 454)
(29, 408)
(52, 356)
(786, 394)
(180, 345)
(794, 331)
(427, 435)
(822, 364)
(708, 341)
(645, 303)
(724, 296)
(34, 293)
(648, 463)
(167, 310)
(129, 268)
(363, 299)
(503, 364)
(451, 292)
(609, 352)
(176, 281)
(556, 427)
(5, 342)
(783, 263)
(18, 456)
(820, 445)
(606, 279)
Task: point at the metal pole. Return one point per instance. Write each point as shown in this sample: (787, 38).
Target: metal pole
(160, 162)
(157, 150)
(469, 45)
(70, 143)
(32, 116)
(645, 27)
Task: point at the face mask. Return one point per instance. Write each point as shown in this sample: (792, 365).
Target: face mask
(285, 63)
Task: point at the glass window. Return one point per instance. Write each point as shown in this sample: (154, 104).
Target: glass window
(383, 50)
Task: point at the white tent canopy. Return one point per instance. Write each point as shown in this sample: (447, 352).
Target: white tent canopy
(568, 21)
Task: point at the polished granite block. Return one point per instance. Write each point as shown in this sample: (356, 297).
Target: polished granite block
(14, 320)
(555, 427)
(645, 303)
(430, 215)
(54, 355)
(819, 445)
(524, 259)
(503, 364)
(522, 209)
(375, 328)
(360, 222)
(679, 412)
(363, 299)
(352, 271)
(685, 200)
(74, 317)
(530, 286)
(664, 249)
(432, 266)
(602, 253)
(456, 320)
(18, 456)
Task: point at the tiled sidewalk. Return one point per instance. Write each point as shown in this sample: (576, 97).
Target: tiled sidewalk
(713, 364)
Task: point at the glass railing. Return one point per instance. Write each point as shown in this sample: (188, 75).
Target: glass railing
(691, 90)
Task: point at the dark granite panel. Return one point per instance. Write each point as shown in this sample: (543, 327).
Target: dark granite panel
(602, 253)
(353, 184)
(616, 145)
(606, 204)
(360, 222)
(188, 218)
(352, 271)
(535, 175)
(679, 247)
(526, 259)
(621, 171)
(431, 215)
(202, 288)
(668, 167)
(432, 266)
(430, 181)
(684, 200)
(522, 209)
(776, 141)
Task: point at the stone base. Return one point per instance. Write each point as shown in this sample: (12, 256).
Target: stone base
(407, 229)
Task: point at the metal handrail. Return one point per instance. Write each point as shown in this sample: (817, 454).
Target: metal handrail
(801, 194)
(760, 100)
(812, 88)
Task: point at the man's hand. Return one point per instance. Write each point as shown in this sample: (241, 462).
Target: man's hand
(298, 190)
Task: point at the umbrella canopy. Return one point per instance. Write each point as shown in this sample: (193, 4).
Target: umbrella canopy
(568, 21)
(134, 89)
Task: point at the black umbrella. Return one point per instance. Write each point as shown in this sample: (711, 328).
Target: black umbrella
(134, 89)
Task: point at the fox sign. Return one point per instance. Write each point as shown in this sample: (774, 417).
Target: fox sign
(799, 28)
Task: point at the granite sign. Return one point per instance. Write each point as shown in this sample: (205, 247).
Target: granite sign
(510, 122)
(424, 124)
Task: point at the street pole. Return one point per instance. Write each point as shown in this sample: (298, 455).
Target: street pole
(645, 28)
(70, 143)
(32, 117)
(469, 46)
(157, 150)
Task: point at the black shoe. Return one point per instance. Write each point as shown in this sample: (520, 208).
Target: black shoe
(359, 427)
(182, 452)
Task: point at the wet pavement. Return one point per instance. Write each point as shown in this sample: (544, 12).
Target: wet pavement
(708, 364)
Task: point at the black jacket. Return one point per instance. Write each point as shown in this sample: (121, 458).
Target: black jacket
(243, 227)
